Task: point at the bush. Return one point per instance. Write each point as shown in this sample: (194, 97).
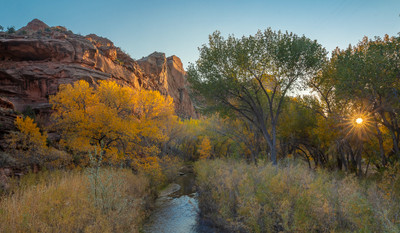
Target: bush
(63, 202)
(29, 147)
(159, 170)
(170, 166)
(6, 160)
(291, 198)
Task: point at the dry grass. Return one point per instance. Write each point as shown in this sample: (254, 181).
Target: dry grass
(64, 202)
(291, 198)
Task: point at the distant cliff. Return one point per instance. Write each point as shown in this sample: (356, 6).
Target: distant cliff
(36, 59)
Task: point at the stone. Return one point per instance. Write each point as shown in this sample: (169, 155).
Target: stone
(34, 65)
(34, 26)
(169, 76)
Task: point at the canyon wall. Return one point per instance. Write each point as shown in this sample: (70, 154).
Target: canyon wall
(36, 59)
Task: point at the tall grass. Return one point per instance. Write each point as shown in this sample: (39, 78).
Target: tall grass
(63, 201)
(291, 198)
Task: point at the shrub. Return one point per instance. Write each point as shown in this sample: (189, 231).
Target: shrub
(291, 198)
(6, 160)
(62, 202)
(159, 170)
(28, 146)
(170, 166)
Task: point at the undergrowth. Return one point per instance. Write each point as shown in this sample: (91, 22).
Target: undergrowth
(64, 201)
(292, 198)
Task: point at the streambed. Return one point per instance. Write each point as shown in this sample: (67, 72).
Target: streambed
(176, 209)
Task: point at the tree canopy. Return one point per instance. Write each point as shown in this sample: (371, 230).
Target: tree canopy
(251, 76)
(123, 121)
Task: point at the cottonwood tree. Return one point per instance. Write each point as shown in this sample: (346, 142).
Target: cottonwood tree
(122, 121)
(251, 76)
(369, 72)
(359, 80)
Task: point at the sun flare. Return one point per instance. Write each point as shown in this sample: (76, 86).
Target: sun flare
(358, 125)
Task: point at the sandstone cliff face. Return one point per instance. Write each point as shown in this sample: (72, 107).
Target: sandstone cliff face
(169, 75)
(38, 58)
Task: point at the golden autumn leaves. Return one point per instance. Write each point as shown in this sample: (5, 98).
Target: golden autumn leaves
(124, 122)
(127, 126)
(29, 146)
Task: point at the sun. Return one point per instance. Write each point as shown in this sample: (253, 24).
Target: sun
(359, 125)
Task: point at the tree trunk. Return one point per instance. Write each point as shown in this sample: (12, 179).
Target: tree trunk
(392, 131)
(274, 149)
(339, 162)
(395, 144)
(359, 153)
(270, 140)
(380, 140)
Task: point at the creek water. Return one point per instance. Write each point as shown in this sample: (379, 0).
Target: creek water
(176, 209)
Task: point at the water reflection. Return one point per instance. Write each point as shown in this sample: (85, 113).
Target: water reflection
(177, 211)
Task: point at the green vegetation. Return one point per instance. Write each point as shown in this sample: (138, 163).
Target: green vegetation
(342, 139)
(253, 81)
(267, 158)
(251, 76)
(11, 30)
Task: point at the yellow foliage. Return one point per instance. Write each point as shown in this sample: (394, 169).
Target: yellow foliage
(123, 121)
(326, 131)
(204, 149)
(150, 166)
(28, 144)
(30, 134)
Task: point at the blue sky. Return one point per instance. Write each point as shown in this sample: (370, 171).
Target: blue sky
(179, 27)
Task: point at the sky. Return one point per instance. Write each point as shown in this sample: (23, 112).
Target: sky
(179, 27)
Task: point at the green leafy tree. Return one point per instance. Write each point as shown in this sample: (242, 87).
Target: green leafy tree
(251, 76)
(11, 29)
(368, 74)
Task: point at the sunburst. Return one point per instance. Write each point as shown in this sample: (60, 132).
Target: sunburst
(359, 125)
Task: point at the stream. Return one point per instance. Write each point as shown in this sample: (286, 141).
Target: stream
(176, 209)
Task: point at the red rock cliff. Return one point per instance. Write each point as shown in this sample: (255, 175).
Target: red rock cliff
(169, 75)
(36, 59)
